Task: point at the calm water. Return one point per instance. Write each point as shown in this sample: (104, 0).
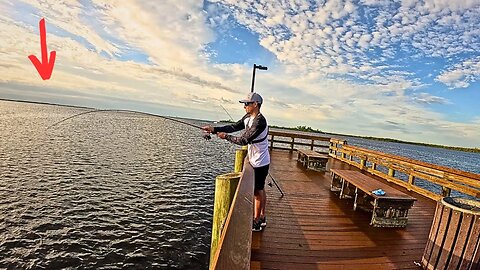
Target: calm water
(116, 190)
(104, 190)
(464, 161)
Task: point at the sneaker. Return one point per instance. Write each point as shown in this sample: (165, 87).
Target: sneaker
(257, 226)
(263, 222)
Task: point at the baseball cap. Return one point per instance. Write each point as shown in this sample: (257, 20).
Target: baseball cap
(252, 97)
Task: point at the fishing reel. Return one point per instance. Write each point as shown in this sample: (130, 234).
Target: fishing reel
(207, 137)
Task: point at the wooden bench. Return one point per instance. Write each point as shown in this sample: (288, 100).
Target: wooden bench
(389, 210)
(312, 160)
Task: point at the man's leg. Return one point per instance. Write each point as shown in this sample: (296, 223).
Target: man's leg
(260, 198)
(263, 202)
(258, 205)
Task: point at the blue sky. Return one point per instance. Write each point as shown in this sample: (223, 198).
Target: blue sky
(401, 69)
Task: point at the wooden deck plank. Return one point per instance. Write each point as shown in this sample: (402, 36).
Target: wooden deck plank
(311, 228)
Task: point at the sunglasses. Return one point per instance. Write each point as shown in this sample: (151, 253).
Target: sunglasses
(247, 103)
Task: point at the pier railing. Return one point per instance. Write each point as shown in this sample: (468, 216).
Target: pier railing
(430, 180)
(292, 141)
(234, 247)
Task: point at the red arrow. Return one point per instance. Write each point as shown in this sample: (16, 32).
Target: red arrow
(44, 68)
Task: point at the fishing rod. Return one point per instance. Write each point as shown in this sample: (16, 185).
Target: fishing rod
(205, 136)
(227, 113)
(275, 182)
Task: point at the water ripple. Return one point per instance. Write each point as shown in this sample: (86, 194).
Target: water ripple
(104, 191)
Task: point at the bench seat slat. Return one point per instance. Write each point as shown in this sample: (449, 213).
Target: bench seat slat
(368, 184)
(311, 153)
(389, 210)
(312, 160)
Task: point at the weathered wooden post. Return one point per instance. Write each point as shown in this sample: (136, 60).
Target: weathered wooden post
(292, 143)
(240, 155)
(411, 182)
(446, 191)
(391, 172)
(225, 187)
(363, 162)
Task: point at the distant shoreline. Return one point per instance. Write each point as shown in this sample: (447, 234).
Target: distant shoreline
(47, 103)
(298, 128)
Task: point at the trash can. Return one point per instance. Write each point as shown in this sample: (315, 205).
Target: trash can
(453, 242)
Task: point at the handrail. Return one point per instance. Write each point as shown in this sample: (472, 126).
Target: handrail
(448, 178)
(315, 140)
(234, 247)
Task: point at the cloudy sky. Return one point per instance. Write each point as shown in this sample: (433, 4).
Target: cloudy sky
(401, 69)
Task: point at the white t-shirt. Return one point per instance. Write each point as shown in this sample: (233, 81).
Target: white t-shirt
(258, 152)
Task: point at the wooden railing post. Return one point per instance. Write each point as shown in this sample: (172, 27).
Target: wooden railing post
(411, 182)
(271, 142)
(311, 147)
(391, 172)
(374, 166)
(239, 158)
(362, 163)
(291, 144)
(446, 191)
(225, 187)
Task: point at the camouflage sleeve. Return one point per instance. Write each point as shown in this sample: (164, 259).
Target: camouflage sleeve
(258, 126)
(239, 125)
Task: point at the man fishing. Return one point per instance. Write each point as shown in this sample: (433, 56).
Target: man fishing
(255, 136)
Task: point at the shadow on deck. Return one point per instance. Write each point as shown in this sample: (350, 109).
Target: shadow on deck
(311, 228)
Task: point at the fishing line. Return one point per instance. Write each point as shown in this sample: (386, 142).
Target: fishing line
(45, 142)
(205, 136)
(28, 152)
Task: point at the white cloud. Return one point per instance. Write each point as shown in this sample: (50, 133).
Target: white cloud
(426, 98)
(67, 15)
(177, 63)
(334, 68)
(462, 74)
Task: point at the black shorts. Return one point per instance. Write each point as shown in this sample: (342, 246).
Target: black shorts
(260, 176)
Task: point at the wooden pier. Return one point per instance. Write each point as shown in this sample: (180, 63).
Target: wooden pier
(312, 228)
